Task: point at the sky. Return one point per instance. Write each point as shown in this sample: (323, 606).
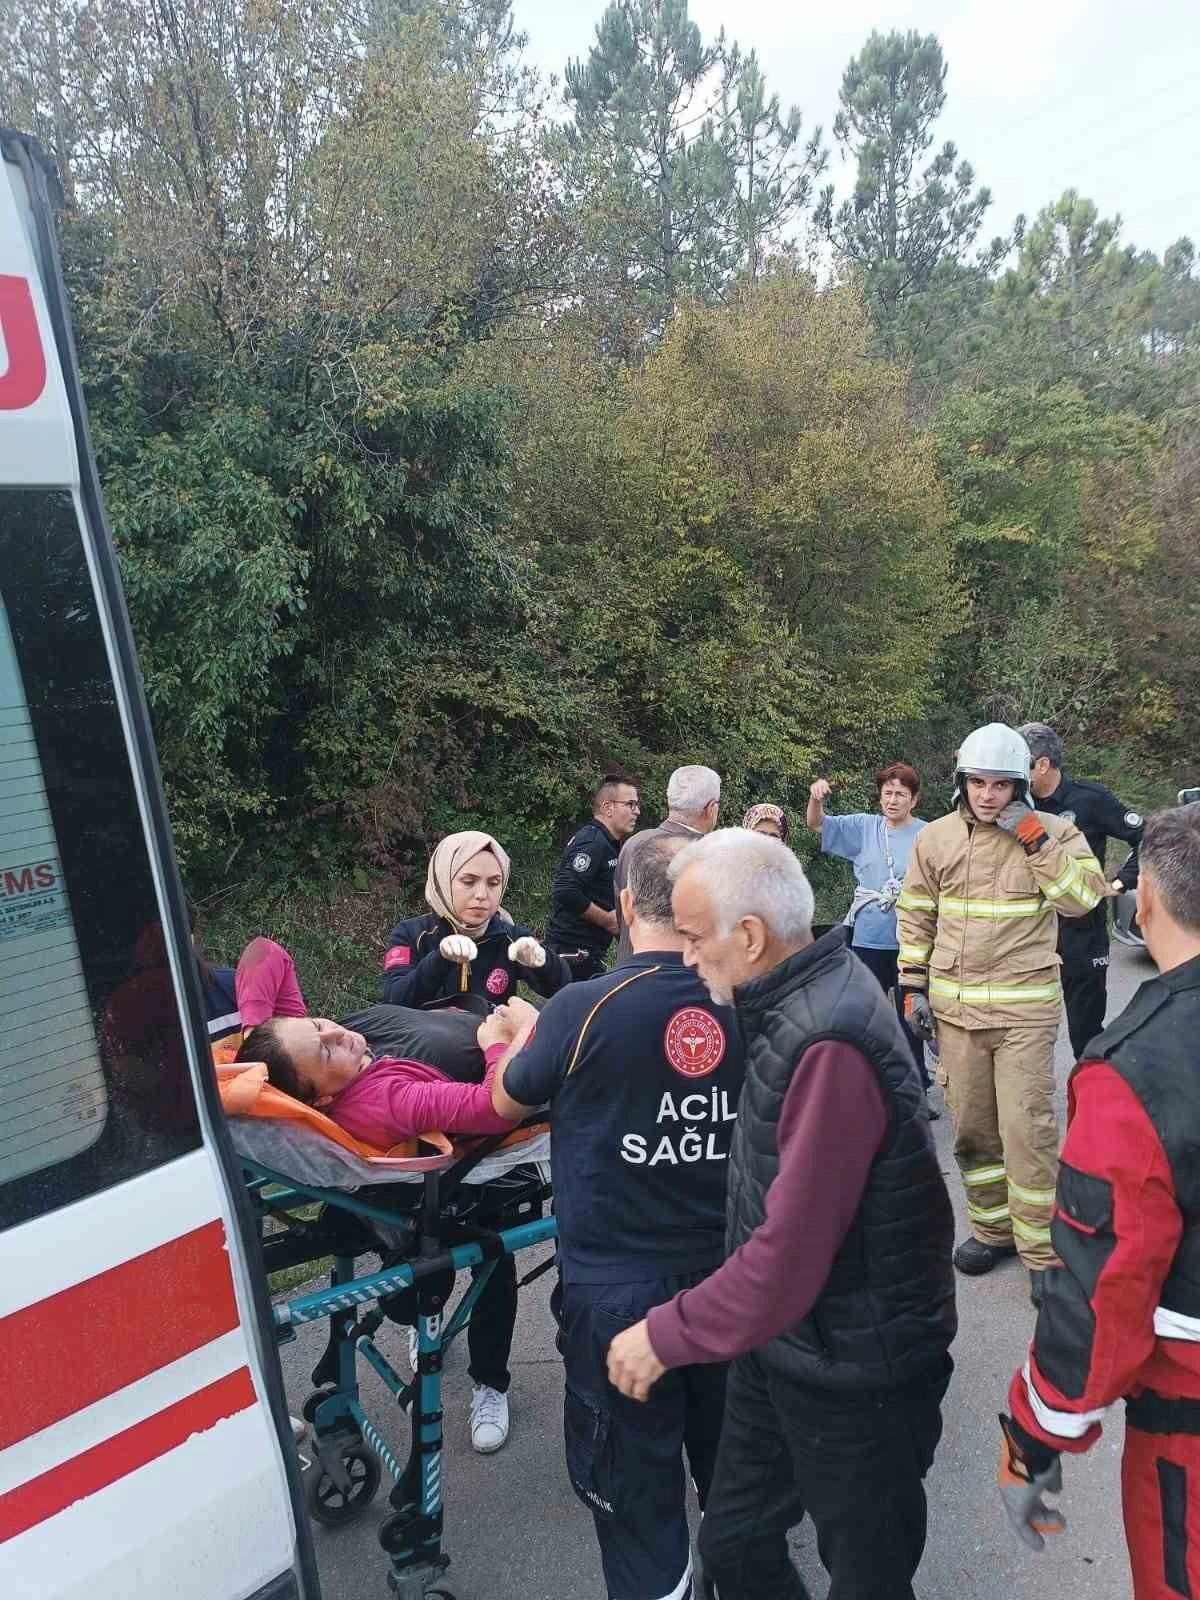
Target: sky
(1042, 95)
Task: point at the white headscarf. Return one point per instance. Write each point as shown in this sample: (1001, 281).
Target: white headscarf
(452, 853)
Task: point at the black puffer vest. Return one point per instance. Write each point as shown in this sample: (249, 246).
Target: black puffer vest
(886, 1313)
(1152, 1044)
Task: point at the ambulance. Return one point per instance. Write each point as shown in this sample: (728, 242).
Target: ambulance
(145, 1447)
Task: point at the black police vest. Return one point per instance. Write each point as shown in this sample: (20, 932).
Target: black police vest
(1082, 939)
(642, 1127)
(1152, 1044)
(886, 1313)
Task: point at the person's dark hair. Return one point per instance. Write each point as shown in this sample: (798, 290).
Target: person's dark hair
(649, 877)
(1042, 741)
(1170, 853)
(900, 772)
(264, 1044)
(607, 788)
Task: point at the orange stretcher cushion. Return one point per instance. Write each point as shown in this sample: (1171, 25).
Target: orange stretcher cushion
(245, 1092)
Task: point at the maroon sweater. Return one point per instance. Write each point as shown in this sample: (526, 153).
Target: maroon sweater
(831, 1126)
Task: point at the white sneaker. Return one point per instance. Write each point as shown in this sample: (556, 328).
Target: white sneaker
(489, 1419)
(299, 1429)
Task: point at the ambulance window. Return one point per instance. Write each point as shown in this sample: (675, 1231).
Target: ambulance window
(94, 1084)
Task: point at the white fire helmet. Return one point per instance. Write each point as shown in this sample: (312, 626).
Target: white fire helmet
(995, 751)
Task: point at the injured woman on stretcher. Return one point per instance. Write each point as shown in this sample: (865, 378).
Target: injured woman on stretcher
(364, 1075)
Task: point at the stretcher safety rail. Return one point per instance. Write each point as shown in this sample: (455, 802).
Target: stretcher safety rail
(459, 1212)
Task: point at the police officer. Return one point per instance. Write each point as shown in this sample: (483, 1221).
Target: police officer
(1099, 816)
(583, 916)
(643, 1072)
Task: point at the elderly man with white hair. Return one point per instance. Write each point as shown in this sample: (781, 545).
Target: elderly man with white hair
(836, 1299)
(693, 803)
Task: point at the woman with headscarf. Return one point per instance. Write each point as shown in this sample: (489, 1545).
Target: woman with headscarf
(769, 819)
(465, 943)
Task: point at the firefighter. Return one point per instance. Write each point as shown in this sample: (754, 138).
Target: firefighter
(643, 1073)
(1121, 1315)
(1099, 816)
(979, 964)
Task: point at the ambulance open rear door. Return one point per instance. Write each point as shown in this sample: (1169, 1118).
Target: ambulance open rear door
(144, 1444)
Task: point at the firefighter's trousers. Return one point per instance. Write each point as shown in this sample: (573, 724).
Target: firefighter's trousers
(999, 1085)
(1160, 1494)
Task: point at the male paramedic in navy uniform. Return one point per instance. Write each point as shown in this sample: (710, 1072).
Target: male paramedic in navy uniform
(643, 1073)
(583, 917)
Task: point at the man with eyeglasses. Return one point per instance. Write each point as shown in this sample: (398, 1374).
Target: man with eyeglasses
(583, 918)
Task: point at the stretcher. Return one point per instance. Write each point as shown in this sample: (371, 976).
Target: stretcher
(427, 1217)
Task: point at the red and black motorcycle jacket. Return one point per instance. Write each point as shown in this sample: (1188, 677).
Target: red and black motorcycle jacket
(1121, 1317)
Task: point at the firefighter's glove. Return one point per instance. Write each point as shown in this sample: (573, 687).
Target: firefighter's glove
(1023, 823)
(1029, 1470)
(457, 947)
(527, 952)
(918, 1013)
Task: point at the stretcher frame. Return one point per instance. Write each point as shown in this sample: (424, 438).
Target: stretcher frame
(348, 1449)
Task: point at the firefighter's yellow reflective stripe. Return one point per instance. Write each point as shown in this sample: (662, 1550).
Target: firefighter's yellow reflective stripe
(915, 902)
(1089, 864)
(1030, 1234)
(994, 908)
(976, 1177)
(1064, 882)
(989, 1214)
(992, 994)
(1030, 1197)
(919, 953)
(1071, 882)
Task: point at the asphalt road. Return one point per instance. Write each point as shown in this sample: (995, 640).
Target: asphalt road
(515, 1531)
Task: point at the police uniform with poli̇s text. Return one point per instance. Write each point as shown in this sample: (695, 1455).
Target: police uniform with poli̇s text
(584, 877)
(643, 1073)
(1083, 941)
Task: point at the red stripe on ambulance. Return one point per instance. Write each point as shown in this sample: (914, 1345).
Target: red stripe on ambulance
(52, 1492)
(71, 1349)
(24, 376)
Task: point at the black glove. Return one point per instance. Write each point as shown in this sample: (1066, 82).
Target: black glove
(918, 1013)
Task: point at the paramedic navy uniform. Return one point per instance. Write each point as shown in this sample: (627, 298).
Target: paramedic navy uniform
(1083, 941)
(416, 974)
(583, 877)
(643, 1073)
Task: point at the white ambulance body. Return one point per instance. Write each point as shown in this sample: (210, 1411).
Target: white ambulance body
(144, 1446)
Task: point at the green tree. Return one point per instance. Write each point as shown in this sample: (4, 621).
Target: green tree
(644, 101)
(903, 221)
(773, 169)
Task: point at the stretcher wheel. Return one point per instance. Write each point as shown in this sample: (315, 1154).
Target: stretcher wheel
(309, 1409)
(331, 1505)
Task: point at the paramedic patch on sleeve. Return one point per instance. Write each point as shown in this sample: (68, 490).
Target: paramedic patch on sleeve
(582, 862)
(1132, 819)
(400, 955)
(694, 1042)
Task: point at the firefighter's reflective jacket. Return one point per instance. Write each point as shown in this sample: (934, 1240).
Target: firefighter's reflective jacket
(977, 918)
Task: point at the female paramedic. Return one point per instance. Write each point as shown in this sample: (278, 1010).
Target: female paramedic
(465, 944)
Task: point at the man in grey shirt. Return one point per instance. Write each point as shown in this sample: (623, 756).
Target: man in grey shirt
(693, 804)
